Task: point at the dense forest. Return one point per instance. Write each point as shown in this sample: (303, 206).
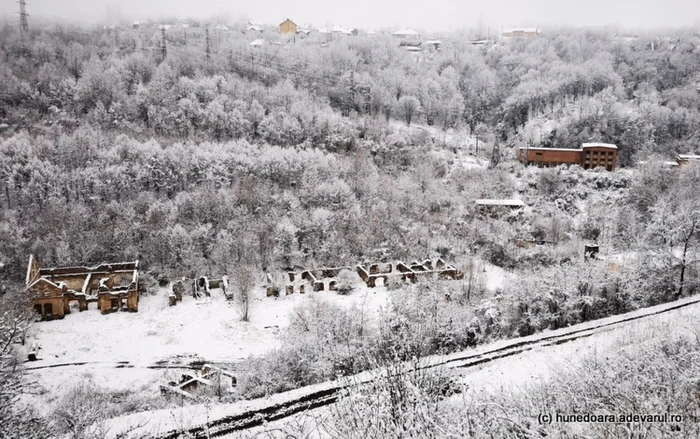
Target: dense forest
(198, 154)
(115, 148)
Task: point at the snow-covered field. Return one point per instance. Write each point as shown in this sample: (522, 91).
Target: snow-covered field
(118, 351)
(115, 350)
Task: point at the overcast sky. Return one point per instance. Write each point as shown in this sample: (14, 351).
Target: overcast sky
(433, 15)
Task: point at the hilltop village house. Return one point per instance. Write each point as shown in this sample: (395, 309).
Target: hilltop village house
(589, 156)
(406, 34)
(113, 286)
(522, 32)
(288, 27)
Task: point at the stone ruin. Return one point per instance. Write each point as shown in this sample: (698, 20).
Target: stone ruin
(372, 274)
(322, 279)
(201, 286)
(191, 383)
(379, 274)
(115, 287)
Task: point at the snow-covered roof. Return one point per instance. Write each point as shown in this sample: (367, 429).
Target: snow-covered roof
(598, 145)
(688, 157)
(525, 30)
(484, 202)
(324, 30)
(584, 145)
(42, 280)
(258, 42)
(337, 29)
(371, 33)
(406, 32)
(550, 149)
(413, 48)
(165, 26)
(432, 42)
(253, 27)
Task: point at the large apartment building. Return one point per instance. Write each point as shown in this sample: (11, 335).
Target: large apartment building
(589, 156)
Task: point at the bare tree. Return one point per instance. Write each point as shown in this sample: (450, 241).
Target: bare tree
(16, 420)
(408, 107)
(80, 413)
(244, 282)
(672, 237)
(471, 278)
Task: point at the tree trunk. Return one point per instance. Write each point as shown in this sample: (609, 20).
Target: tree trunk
(685, 253)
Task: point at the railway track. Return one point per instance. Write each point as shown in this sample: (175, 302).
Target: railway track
(296, 401)
(162, 364)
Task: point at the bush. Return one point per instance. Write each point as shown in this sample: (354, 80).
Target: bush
(346, 282)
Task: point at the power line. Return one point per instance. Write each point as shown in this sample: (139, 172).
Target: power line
(23, 24)
(163, 48)
(208, 43)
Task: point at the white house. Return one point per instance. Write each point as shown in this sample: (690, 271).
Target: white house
(406, 34)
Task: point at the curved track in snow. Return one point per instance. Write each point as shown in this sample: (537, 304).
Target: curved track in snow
(247, 414)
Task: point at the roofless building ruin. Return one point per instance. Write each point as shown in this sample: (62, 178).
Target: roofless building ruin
(113, 286)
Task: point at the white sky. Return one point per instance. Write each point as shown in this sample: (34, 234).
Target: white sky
(433, 15)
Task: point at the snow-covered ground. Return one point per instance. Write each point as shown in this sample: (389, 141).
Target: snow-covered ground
(540, 363)
(115, 350)
(532, 366)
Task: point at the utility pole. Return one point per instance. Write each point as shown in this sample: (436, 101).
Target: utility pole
(352, 90)
(163, 48)
(352, 84)
(23, 25)
(208, 40)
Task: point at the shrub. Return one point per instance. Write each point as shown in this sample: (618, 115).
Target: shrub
(346, 282)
